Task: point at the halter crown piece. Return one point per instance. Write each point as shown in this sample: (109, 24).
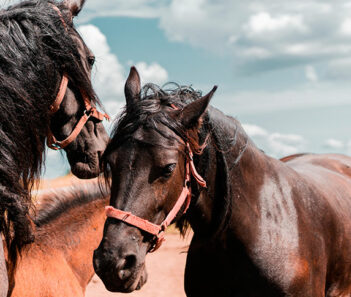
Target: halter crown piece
(89, 111)
(183, 199)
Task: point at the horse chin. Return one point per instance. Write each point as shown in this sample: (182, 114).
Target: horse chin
(142, 279)
(135, 282)
(84, 165)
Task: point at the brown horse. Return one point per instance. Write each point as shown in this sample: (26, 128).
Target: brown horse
(262, 227)
(69, 224)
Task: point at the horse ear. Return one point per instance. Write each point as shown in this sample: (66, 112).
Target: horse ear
(74, 6)
(132, 87)
(191, 113)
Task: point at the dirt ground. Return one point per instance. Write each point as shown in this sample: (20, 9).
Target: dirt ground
(165, 270)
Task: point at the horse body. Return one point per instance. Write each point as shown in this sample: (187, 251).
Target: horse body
(289, 232)
(262, 227)
(69, 227)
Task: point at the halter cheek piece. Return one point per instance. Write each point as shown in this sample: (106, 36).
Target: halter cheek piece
(89, 111)
(184, 199)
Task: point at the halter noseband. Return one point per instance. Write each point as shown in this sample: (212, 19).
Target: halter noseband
(89, 111)
(183, 199)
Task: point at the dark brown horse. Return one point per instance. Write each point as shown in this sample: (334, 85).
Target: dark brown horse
(69, 222)
(45, 89)
(262, 227)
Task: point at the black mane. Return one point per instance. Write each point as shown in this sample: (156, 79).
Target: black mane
(55, 202)
(35, 50)
(219, 132)
(152, 108)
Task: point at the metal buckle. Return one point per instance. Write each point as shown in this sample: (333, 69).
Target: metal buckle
(88, 112)
(56, 146)
(157, 241)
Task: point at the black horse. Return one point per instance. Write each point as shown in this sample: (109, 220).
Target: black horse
(40, 51)
(262, 227)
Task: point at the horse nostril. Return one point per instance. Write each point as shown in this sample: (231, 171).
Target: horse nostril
(130, 262)
(126, 266)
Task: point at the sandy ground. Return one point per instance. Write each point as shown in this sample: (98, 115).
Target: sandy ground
(165, 270)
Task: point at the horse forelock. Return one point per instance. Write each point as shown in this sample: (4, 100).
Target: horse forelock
(153, 108)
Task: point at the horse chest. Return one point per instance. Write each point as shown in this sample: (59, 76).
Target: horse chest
(214, 271)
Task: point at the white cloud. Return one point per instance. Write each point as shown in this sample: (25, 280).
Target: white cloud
(311, 73)
(263, 22)
(257, 35)
(346, 27)
(301, 97)
(109, 75)
(254, 131)
(332, 143)
(275, 144)
(153, 73)
(262, 35)
(339, 69)
(285, 144)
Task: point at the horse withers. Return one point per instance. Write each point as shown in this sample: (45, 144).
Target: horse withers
(262, 227)
(45, 93)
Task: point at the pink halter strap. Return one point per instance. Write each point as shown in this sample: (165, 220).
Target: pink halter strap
(184, 199)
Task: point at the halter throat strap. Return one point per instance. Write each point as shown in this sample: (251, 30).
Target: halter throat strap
(183, 199)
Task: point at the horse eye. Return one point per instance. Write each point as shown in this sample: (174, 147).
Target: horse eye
(91, 60)
(168, 169)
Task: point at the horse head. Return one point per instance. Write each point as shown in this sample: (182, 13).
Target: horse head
(149, 158)
(76, 126)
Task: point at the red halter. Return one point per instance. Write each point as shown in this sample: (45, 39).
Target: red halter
(89, 111)
(158, 230)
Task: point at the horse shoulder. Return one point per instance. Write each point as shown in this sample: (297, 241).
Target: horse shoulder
(43, 272)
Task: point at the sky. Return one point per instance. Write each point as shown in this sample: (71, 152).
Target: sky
(282, 67)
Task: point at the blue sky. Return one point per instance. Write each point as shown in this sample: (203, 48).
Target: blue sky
(282, 67)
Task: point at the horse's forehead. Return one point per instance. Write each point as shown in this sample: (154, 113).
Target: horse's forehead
(161, 136)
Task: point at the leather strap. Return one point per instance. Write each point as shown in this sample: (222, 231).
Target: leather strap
(60, 95)
(133, 220)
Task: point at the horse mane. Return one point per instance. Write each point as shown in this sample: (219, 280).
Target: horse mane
(153, 108)
(53, 203)
(35, 49)
(217, 130)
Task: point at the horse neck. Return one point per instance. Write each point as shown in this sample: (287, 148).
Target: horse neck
(233, 174)
(75, 234)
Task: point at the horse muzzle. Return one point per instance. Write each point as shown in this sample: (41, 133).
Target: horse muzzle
(119, 273)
